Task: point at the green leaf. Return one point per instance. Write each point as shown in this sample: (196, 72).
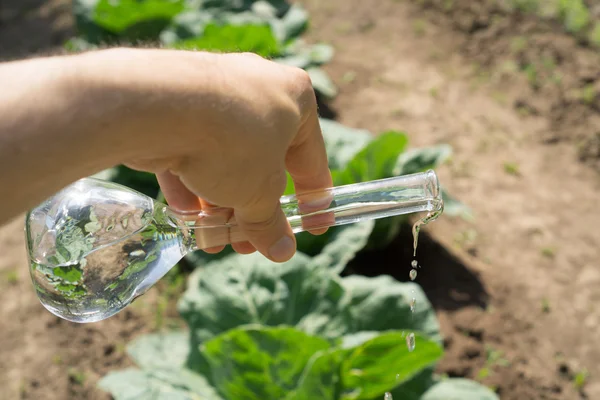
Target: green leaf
(289, 188)
(343, 242)
(239, 290)
(320, 53)
(376, 160)
(91, 34)
(459, 389)
(257, 39)
(186, 25)
(422, 159)
(382, 303)
(413, 388)
(382, 363)
(322, 82)
(258, 362)
(321, 377)
(136, 19)
(292, 25)
(159, 350)
(342, 142)
(158, 384)
(295, 60)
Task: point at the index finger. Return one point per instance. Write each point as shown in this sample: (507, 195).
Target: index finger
(307, 163)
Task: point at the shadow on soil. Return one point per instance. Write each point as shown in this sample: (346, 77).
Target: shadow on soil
(448, 283)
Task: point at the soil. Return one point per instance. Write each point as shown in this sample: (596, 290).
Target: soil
(515, 288)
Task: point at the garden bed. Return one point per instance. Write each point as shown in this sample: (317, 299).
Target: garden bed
(514, 289)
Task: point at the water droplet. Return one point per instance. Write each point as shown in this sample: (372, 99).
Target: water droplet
(410, 341)
(414, 263)
(397, 376)
(387, 396)
(413, 274)
(413, 304)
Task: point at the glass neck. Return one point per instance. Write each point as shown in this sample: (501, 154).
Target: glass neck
(339, 205)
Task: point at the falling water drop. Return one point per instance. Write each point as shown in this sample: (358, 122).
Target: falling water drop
(397, 376)
(413, 304)
(387, 396)
(413, 274)
(410, 341)
(414, 264)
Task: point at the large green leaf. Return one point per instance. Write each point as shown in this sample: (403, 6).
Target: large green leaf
(376, 160)
(258, 362)
(382, 303)
(109, 20)
(160, 350)
(158, 384)
(239, 290)
(384, 362)
(459, 389)
(301, 55)
(322, 82)
(118, 15)
(421, 159)
(342, 142)
(321, 378)
(257, 39)
(343, 242)
(292, 25)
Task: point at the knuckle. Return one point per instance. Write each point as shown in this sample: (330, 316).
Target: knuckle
(302, 81)
(304, 91)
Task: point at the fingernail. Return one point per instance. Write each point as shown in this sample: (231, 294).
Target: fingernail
(283, 249)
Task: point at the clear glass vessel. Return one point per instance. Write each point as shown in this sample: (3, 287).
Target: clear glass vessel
(95, 246)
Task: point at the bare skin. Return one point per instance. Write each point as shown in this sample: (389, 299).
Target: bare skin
(215, 129)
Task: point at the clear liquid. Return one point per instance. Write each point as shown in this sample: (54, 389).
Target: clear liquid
(104, 257)
(410, 341)
(96, 246)
(412, 274)
(387, 396)
(438, 208)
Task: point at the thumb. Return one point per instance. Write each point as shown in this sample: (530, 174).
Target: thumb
(266, 227)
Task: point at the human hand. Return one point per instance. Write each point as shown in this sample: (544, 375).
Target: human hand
(220, 130)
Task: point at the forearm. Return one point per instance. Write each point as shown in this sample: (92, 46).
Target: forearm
(53, 130)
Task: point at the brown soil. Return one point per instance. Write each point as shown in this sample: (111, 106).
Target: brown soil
(515, 289)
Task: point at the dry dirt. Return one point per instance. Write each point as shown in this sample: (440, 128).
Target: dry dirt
(516, 289)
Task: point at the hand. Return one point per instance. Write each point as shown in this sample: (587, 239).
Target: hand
(220, 130)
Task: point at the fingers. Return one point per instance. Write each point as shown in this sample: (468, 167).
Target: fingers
(243, 247)
(207, 207)
(181, 198)
(264, 223)
(178, 196)
(307, 163)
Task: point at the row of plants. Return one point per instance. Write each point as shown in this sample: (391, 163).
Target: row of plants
(297, 330)
(577, 16)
